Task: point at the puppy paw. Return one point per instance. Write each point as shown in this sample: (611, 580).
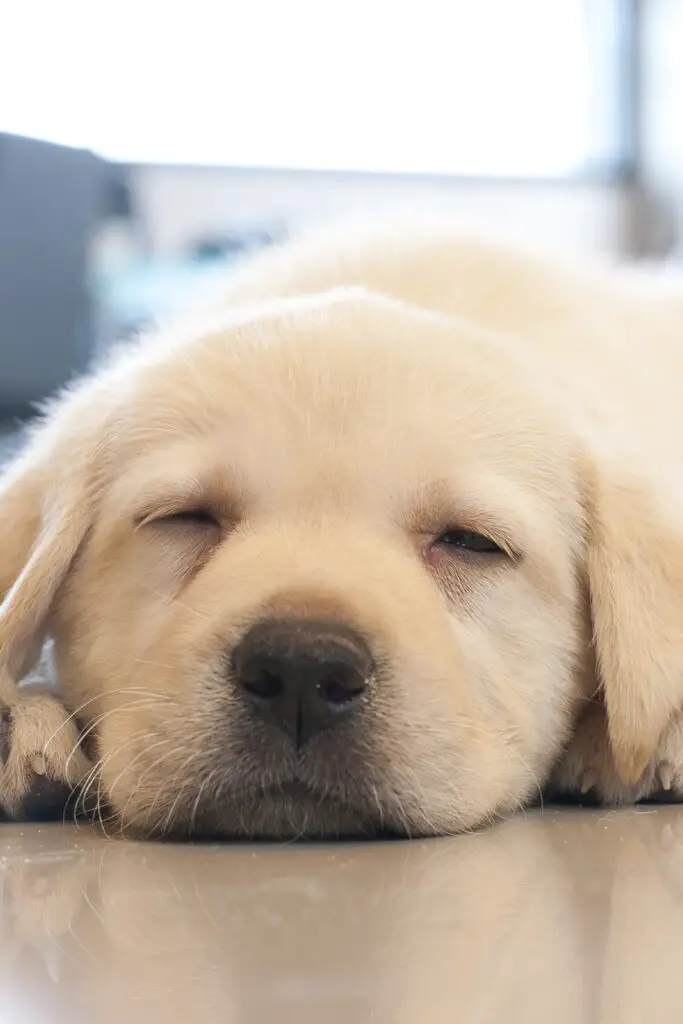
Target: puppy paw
(41, 762)
(667, 767)
(587, 768)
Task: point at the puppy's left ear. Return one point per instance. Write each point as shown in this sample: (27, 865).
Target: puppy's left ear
(46, 508)
(635, 578)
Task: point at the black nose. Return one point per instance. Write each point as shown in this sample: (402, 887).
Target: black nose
(303, 675)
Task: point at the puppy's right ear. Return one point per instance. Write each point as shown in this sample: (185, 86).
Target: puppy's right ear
(635, 575)
(46, 508)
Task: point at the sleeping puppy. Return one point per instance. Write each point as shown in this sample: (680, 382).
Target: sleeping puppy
(388, 542)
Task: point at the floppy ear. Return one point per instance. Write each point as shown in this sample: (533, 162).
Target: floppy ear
(635, 576)
(45, 512)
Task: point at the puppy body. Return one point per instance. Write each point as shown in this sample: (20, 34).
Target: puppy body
(301, 452)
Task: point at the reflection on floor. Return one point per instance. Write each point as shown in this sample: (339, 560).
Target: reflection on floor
(565, 916)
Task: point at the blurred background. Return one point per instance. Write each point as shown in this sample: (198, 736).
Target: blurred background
(147, 147)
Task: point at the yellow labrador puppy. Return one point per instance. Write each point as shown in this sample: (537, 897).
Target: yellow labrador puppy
(389, 541)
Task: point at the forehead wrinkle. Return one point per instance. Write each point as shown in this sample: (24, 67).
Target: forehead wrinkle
(307, 377)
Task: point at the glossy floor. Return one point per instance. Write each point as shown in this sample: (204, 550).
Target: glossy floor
(566, 916)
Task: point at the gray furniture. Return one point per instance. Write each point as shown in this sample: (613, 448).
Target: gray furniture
(51, 198)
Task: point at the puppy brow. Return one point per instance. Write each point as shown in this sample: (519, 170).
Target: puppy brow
(141, 502)
(173, 501)
(144, 493)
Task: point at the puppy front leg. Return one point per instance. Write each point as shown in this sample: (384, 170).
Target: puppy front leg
(41, 761)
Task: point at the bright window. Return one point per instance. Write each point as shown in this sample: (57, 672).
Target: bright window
(474, 87)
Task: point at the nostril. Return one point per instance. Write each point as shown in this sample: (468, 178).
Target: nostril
(266, 685)
(338, 688)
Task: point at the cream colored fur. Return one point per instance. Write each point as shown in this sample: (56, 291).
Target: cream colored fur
(348, 400)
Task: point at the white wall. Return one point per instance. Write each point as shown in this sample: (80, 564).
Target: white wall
(180, 203)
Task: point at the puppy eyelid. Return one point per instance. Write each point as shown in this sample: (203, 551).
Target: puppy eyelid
(171, 511)
(188, 517)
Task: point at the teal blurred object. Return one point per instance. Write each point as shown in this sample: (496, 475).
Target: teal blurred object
(138, 290)
(131, 298)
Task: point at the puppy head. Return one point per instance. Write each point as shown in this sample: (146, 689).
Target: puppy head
(309, 571)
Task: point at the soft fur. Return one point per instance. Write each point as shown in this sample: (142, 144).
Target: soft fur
(350, 399)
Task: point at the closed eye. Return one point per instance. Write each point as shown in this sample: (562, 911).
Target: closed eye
(191, 517)
(196, 517)
(468, 540)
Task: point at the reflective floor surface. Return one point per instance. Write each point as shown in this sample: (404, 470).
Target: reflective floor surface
(562, 916)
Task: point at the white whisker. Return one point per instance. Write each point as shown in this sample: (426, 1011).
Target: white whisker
(182, 790)
(74, 714)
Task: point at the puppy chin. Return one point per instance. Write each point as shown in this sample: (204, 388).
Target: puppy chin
(290, 813)
(287, 813)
